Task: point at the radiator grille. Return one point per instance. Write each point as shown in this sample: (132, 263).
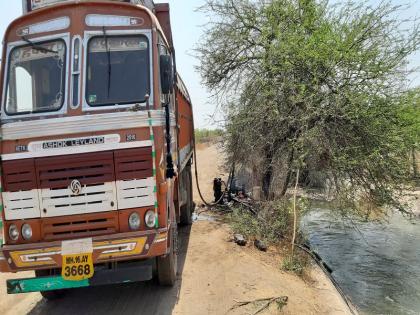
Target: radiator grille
(133, 164)
(75, 227)
(21, 204)
(135, 184)
(93, 198)
(58, 172)
(136, 193)
(110, 180)
(20, 198)
(19, 175)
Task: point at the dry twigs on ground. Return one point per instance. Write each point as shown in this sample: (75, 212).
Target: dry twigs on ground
(280, 300)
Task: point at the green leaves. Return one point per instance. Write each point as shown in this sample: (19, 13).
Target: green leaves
(318, 87)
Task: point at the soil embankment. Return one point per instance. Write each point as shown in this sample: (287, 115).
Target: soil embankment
(214, 273)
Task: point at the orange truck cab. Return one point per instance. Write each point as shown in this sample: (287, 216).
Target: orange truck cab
(96, 145)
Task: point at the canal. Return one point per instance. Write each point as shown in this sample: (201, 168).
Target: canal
(376, 264)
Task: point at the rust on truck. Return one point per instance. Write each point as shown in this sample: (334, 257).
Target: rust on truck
(97, 142)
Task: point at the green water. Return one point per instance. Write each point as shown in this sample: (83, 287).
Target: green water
(377, 265)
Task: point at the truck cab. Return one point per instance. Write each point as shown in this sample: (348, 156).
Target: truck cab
(96, 145)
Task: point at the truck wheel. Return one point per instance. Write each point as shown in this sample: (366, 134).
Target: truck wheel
(50, 295)
(187, 209)
(167, 267)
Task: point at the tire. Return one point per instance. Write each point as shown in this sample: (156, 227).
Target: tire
(167, 266)
(50, 295)
(187, 209)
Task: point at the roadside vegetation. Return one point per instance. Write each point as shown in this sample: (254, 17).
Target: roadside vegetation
(207, 135)
(273, 222)
(273, 226)
(315, 95)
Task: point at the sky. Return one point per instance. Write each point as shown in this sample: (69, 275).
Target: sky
(187, 30)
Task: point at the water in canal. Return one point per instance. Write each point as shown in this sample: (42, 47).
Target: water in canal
(377, 266)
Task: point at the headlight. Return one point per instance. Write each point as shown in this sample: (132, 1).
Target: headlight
(134, 221)
(13, 232)
(150, 218)
(26, 231)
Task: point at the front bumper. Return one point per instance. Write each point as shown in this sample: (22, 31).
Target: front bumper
(108, 248)
(141, 271)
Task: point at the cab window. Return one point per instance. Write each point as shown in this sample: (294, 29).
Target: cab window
(117, 70)
(36, 78)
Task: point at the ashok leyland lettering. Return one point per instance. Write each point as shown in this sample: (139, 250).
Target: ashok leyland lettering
(96, 149)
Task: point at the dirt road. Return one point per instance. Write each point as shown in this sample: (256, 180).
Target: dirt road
(213, 274)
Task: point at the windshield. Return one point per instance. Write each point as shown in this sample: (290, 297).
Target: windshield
(118, 70)
(36, 78)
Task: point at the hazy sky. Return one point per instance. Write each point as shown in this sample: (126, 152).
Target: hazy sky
(186, 23)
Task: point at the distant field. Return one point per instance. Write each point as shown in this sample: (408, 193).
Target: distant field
(207, 135)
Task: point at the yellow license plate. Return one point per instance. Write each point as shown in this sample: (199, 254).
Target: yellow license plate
(77, 267)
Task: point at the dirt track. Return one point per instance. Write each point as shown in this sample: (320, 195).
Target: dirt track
(213, 273)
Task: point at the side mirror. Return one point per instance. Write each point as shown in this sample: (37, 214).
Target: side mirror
(166, 74)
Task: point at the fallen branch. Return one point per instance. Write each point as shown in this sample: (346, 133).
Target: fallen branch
(280, 300)
(246, 205)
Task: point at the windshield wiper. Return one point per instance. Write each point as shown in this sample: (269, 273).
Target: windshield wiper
(38, 47)
(108, 52)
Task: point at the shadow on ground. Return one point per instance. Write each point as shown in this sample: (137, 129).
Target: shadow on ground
(146, 298)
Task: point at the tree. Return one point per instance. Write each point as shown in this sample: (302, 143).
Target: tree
(311, 86)
(410, 112)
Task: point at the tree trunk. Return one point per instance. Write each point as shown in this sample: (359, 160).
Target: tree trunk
(288, 175)
(267, 174)
(415, 170)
